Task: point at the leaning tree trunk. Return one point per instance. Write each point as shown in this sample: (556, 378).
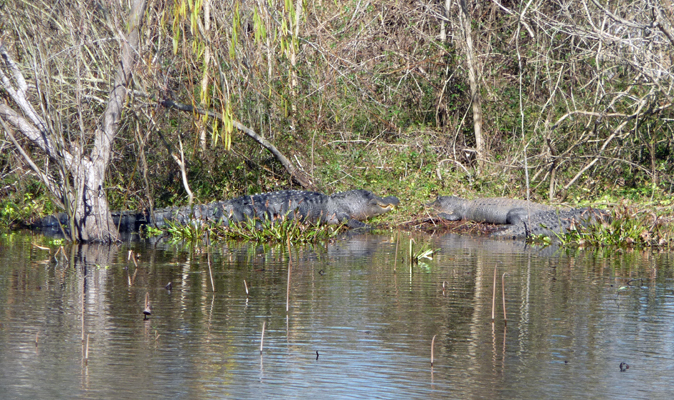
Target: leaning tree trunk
(91, 220)
(466, 20)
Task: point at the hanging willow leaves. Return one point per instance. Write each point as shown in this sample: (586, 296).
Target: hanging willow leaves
(236, 22)
(260, 30)
(215, 133)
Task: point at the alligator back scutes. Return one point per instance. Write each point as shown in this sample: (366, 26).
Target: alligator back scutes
(554, 222)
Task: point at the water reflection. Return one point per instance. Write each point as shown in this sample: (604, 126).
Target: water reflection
(573, 317)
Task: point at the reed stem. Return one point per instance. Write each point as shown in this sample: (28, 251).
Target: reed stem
(395, 254)
(86, 351)
(262, 336)
(505, 316)
(411, 240)
(432, 347)
(83, 279)
(210, 271)
(493, 297)
(290, 265)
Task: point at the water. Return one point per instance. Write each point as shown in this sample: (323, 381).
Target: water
(572, 318)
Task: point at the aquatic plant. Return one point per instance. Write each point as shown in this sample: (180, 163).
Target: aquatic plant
(189, 232)
(280, 230)
(626, 227)
(425, 252)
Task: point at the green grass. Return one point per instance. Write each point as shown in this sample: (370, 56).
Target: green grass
(265, 231)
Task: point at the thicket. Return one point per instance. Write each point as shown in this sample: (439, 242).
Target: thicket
(575, 98)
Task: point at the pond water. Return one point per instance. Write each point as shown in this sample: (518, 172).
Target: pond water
(360, 320)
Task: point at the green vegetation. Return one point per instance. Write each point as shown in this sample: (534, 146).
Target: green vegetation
(628, 227)
(417, 256)
(278, 231)
(22, 202)
(369, 98)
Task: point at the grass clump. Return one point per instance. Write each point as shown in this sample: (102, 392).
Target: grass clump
(263, 231)
(278, 231)
(418, 255)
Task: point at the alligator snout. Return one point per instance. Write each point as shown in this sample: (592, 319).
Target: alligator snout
(389, 202)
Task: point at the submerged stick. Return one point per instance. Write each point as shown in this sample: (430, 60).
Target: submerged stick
(432, 347)
(505, 316)
(262, 336)
(40, 247)
(132, 256)
(147, 311)
(493, 297)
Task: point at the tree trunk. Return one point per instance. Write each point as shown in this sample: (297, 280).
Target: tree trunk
(92, 213)
(464, 16)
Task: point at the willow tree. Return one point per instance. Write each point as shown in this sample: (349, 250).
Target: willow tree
(53, 99)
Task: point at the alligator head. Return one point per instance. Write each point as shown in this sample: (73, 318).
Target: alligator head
(450, 207)
(359, 204)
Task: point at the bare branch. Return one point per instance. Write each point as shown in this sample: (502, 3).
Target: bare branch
(300, 176)
(48, 182)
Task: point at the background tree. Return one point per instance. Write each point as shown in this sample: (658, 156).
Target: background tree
(377, 95)
(64, 134)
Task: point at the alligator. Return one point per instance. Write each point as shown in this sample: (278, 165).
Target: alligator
(492, 210)
(348, 208)
(553, 222)
(523, 218)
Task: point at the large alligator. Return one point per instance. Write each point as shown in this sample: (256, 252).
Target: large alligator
(492, 210)
(553, 222)
(523, 218)
(349, 207)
